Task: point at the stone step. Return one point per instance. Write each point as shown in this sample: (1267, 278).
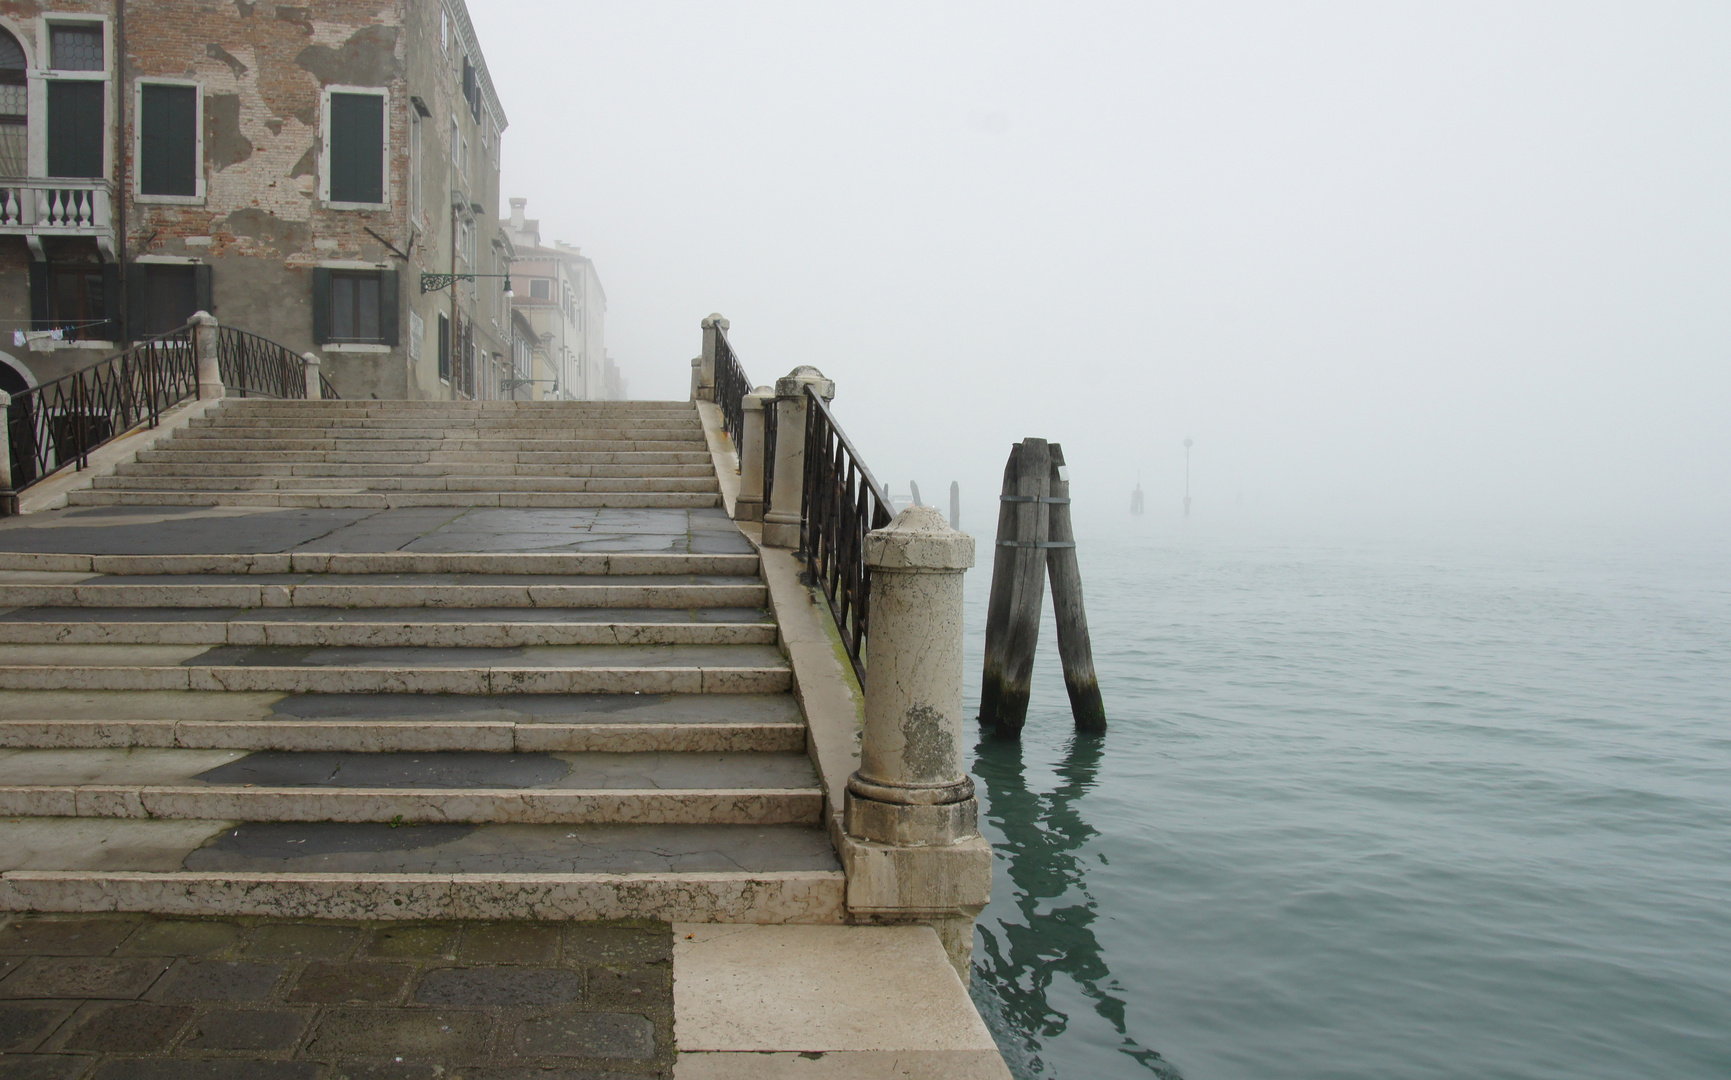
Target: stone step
(698, 873)
(632, 459)
(178, 468)
(345, 445)
(431, 433)
(741, 723)
(521, 567)
(400, 405)
(545, 669)
(116, 592)
(452, 482)
(392, 500)
(464, 786)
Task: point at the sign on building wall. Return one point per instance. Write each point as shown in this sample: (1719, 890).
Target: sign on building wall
(417, 328)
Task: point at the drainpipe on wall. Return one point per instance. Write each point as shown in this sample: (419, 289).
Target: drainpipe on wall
(119, 213)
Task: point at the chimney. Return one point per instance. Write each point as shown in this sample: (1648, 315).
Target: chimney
(517, 206)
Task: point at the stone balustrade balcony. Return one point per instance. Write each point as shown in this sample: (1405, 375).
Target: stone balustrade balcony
(35, 207)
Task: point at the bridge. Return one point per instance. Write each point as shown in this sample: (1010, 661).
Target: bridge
(445, 736)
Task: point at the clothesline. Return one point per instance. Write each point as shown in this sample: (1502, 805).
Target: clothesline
(22, 336)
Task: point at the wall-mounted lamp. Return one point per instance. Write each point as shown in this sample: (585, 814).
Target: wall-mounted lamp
(435, 282)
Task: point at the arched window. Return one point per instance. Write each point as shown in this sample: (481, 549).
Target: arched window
(13, 160)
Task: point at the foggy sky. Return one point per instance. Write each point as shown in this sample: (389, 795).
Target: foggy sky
(1402, 262)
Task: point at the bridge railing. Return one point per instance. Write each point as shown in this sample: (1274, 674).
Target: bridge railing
(731, 386)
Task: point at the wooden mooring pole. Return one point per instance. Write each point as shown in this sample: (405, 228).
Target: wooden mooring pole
(1035, 538)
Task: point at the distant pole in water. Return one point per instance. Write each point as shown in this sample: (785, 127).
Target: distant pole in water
(1187, 445)
(1136, 497)
(956, 505)
(914, 485)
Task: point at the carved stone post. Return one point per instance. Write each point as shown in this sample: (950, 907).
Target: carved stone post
(315, 390)
(781, 519)
(712, 326)
(8, 497)
(911, 789)
(696, 377)
(749, 505)
(204, 346)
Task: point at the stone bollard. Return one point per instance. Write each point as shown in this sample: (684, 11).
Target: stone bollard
(204, 346)
(911, 789)
(749, 505)
(8, 497)
(696, 377)
(315, 389)
(712, 326)
(782, 518)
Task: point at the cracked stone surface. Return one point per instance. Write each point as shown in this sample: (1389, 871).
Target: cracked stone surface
(143, 997)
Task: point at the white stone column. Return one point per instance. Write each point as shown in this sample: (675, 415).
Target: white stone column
(749, 505)
(8, 497)
(781, 519)
(204, 346)
(310, 361)
(696, 377)
(706, 376)
(912, 789)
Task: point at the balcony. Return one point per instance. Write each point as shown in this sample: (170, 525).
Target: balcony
(34, 208)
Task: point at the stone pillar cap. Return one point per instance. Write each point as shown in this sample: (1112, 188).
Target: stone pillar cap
(310, 359)
(203, 318)
(919, 539)
(793, 384)
(715, 319)
(5, 399)
(757, 398)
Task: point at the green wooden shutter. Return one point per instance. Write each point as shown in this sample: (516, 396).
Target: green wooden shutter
(137, 301)
(321, 305)
(39, 295)
(388, 307)
(168, 158)
(110, 330)
(75, 128)
(201, 288)
(357, 148)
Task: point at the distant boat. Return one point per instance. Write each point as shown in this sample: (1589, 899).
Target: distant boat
(1136, 498)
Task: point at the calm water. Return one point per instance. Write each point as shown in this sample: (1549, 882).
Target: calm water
(1371, 809)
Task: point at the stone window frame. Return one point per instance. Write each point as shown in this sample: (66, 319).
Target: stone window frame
(39, 53)
(197, 198)
(386, 188)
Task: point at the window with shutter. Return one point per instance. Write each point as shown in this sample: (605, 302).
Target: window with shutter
(357, 142)
(354, 307)
(75, 128)
(168, 140)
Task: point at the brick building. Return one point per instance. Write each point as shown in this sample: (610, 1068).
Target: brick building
(560, 292)
(293, 169)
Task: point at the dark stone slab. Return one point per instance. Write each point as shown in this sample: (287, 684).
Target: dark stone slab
(511, 943)
(128, 1027)
(81, 977)
(246, 1029)
(364, 1071)
(23, 1026)
(590, 1035)
(43, 1066)
(720, 543)
(535, 1073)
(334, 984)
(222, 980)
(232, 1069)
(618, 945)
(189, 534)
(266, 842)
(456, 769)
(629, 988)
(387, 530)
(509, 987)
(413, 942)
(454, 1036)
(311, 941)
(181, 938)
(64, 937)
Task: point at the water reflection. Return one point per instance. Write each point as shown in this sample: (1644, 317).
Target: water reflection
(1015, 963)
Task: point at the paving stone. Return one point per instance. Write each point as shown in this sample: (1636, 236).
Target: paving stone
(336, 983)
(365, 1071)
(591, 1035)
(64, 937)
(536, 1073)
(128, 1027)
(414, 942)
(306, 941)
(81, 977)
(23, 1026)
(43, 1066)
(417, 1035)
(513, 987)
(222, 980)
(246, 1029)
(510, 943)
(635, 988)
(619, 944)
(236, 1069)
(182, 938)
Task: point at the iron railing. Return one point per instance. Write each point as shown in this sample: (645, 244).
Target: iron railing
(841, 502)
(731, 386)
(58, 423)
(254, 365)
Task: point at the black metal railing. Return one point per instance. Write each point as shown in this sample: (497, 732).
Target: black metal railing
(254, 365)
(58, 423)
(731, 386)
(841, 502)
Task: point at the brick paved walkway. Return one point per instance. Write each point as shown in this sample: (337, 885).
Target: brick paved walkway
(129, 997)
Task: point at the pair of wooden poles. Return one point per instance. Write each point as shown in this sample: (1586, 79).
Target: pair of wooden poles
(1035, 541)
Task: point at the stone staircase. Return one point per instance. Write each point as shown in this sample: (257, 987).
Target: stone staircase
(414, 733)
(263, 452)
